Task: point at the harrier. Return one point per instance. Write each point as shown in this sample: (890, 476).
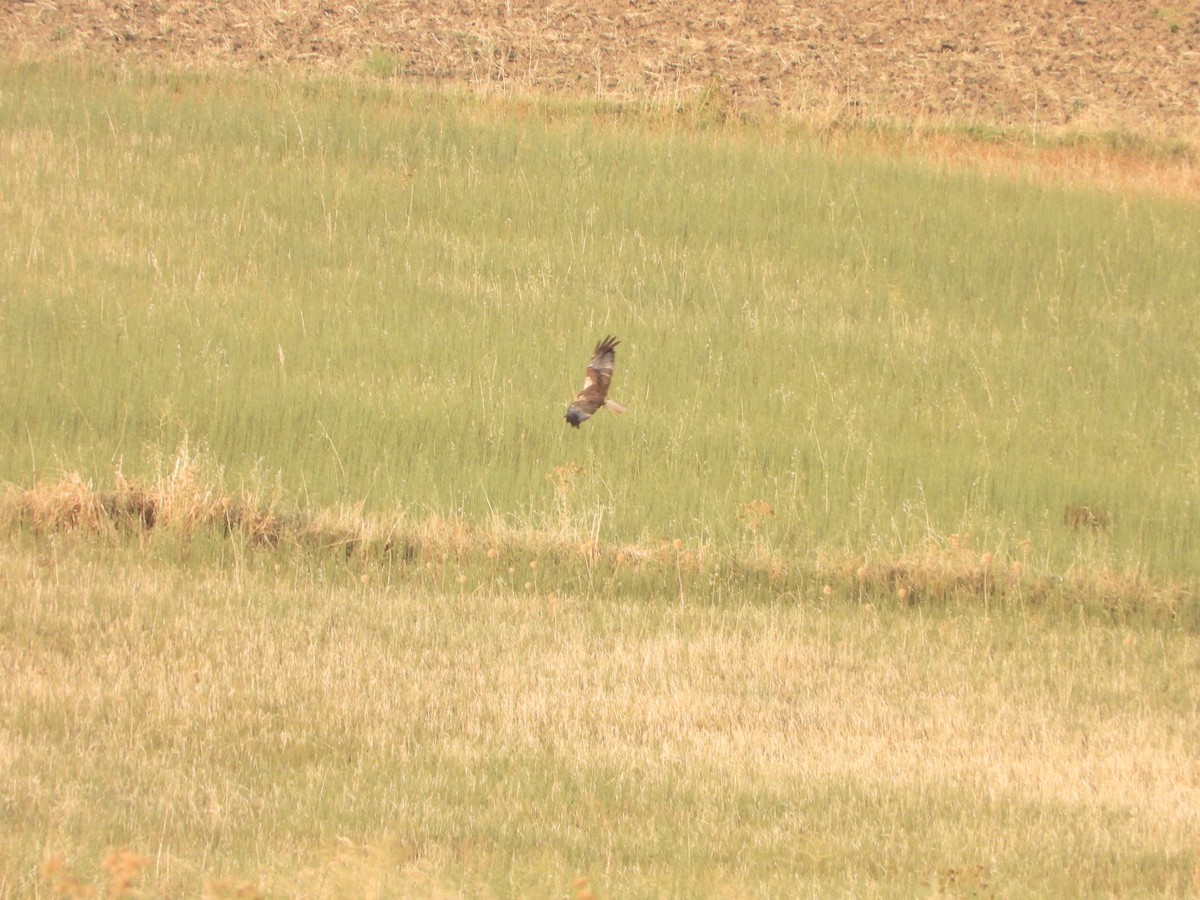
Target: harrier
(595, 387)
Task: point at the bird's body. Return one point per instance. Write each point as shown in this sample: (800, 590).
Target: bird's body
(595, 386)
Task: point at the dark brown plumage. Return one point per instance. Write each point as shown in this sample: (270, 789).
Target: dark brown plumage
(595, 386)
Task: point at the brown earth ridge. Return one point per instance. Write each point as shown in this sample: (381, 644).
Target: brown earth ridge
(1098, 64)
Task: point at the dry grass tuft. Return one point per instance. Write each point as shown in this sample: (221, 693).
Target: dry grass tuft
(124, 868)
(180, 503)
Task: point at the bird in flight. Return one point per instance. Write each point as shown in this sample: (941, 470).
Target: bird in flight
(595, 386)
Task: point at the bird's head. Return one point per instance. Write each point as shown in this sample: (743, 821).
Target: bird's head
(574, 416)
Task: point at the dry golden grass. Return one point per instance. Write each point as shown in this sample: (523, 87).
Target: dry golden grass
(334, 705)
(293, 729)
(499, 709)
(1065, 160)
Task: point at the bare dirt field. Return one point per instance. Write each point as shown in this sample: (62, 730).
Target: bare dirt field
(1092, 65)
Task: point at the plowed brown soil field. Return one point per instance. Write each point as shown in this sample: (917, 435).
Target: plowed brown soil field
(1129, 71)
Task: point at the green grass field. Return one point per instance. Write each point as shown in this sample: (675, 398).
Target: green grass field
(886, 584)
(360, 295)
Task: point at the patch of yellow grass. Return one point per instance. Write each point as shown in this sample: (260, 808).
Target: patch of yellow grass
(430, 726)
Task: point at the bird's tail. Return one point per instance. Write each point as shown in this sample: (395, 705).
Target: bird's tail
(613, 405)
